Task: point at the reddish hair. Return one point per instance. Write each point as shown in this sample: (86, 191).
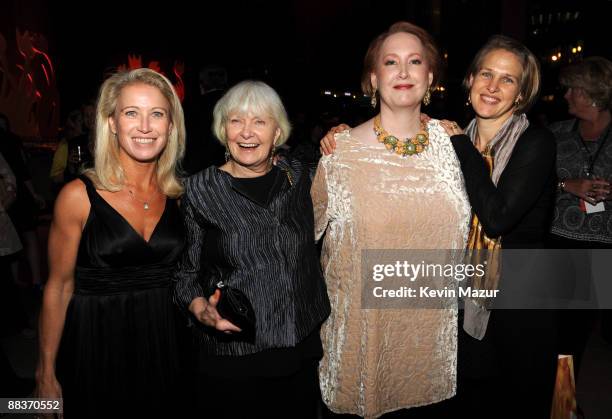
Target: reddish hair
(432, 54)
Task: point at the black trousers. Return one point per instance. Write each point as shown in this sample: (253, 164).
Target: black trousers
(294, 396)
(577, 325)
(511, 372)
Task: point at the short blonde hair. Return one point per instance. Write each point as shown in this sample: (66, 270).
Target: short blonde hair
(530, 78)
(251, 97)
(594, 76)
(107, 172)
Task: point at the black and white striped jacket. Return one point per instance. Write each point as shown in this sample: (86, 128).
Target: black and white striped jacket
(268, 252)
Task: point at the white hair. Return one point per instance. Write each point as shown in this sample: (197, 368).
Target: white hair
(255, 98)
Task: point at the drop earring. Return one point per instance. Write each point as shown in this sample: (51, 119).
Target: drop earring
(427, 97)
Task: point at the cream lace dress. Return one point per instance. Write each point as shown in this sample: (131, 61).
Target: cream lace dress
(366, 197)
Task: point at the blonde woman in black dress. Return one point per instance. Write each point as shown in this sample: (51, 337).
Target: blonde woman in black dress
(107, 319)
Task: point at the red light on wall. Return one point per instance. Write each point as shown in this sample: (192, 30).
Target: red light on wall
(134, 61)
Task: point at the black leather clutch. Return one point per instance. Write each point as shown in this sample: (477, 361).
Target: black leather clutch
(234, 306)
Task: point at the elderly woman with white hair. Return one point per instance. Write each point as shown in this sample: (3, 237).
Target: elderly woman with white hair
(250, 235)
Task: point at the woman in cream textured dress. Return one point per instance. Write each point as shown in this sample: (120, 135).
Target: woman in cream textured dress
(378, 192)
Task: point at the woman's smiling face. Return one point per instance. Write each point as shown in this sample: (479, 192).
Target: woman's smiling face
(494, 89)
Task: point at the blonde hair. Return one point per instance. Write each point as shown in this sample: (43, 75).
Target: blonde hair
(254, 97)
(529, 83)
(107, 172)
(594, 76)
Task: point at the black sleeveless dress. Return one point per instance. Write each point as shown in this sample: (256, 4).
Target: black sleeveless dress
(118, 356)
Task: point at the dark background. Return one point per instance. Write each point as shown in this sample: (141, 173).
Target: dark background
(300, 47)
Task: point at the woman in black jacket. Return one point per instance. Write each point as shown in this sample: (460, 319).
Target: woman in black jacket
(506, 368)
(250, 226)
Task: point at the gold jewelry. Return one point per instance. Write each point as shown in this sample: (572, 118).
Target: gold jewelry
(289, 176)
(407, 147)
(427, 97)
(561, 186)
(145, 204)
(272, 154)
(373, 99)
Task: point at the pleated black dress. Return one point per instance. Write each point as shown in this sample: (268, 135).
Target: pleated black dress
(118, 356)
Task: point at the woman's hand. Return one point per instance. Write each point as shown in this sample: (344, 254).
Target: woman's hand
(328, 143)
(601, 188)
(47, 387)
(206, 312)
(451, 127)
(591, 190)
(425, 118)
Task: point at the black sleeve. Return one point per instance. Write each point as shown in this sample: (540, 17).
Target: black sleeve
(186, 276)
(499, 208)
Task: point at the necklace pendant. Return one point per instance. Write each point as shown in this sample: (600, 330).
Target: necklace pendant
(146, 206)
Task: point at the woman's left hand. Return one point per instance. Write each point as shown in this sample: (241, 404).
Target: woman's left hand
(328, 143)
(206, 312)
(590, 190)
(451, 127)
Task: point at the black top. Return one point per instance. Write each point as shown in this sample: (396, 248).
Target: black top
(574, 157)
(261, 189)
(266, 251)
(109, 240)
(519, 208)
